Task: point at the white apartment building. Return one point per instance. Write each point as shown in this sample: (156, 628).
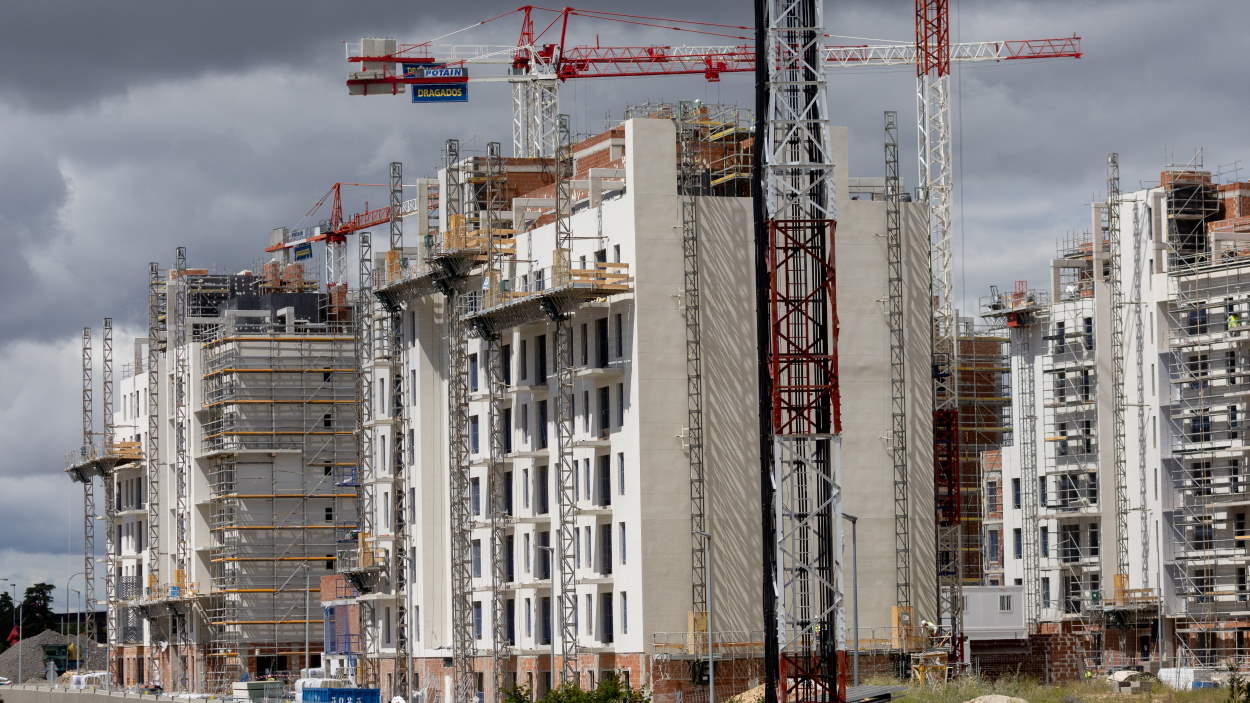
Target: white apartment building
(634, 547)
(1150, 567)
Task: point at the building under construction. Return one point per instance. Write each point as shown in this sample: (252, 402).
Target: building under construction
(230, 476)
(539, 499)
(1123, 494)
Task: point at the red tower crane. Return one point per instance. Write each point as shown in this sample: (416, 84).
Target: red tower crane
(334, 232)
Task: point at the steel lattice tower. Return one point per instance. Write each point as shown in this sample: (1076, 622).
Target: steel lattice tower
(110, 508)
(898, 364)
(566, 469)
(397, 366)
(157, 305)
(1119, 400)
(936, 182)
(797, 327)
(364, 471)
(690, 186)
(88, 485)
(497, 429)
(1143, 416)
(458, 417)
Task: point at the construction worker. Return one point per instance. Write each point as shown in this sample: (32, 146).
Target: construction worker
(1233, 323)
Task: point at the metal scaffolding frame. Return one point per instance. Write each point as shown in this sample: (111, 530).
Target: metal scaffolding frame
(396, 359)
(1208, 286)
(1021, 311)
(1119, 400)
(181, 400)
(355, 555)
(180, 392)
(497, 429)
(689, 181)
(566, 469)
(157, 326)
(461, 513)
(936, 184)
(88, 485)
(898, 365)
(277, 416)
(1068, 494)
(535, 104)
(110, 506)
(397, 366)
(984, 419)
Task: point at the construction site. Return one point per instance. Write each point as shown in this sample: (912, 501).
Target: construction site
(604, 408)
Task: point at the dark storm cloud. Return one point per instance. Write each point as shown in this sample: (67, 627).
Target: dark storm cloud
(78, 52)
(131, 127)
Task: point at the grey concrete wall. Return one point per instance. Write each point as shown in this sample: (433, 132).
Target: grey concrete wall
(864, 369)
(660, 358)
(731, 411)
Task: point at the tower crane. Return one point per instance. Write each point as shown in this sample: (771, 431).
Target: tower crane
(334, 232)
(795, 271)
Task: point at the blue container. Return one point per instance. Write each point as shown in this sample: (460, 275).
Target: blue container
(342, 695)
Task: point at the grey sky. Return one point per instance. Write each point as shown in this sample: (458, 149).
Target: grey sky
(132, 127)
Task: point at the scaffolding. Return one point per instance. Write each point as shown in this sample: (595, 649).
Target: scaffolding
(157, 319)
(1020, 312)
(397, 364)
(98, 455)
(1068, 484)
(500, 247)
(453, 257)
(984, 404)
(88, 486)
(277, 406)
(898, 368)
(1209, 294)
(690, 184)
(1119, 399)
(566, 470)
(110, 506)
(356, 553)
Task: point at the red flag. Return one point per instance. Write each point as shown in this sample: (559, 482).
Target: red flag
(13, 636)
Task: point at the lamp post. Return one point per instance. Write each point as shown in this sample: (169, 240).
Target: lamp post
(707, 596)
(78, 634)
(551, 612)
(855, 597)
(77, 625)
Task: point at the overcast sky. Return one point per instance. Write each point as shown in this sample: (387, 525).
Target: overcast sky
(132, 127)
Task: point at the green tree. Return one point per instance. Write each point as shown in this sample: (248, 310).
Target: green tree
(37, 614)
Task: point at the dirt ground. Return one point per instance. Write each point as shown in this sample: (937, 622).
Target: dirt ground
(967, 688)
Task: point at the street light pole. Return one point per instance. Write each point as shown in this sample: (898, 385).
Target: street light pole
(77, 627)
(855, 598)
(78, 634)
(707, 597)
(18, 605)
